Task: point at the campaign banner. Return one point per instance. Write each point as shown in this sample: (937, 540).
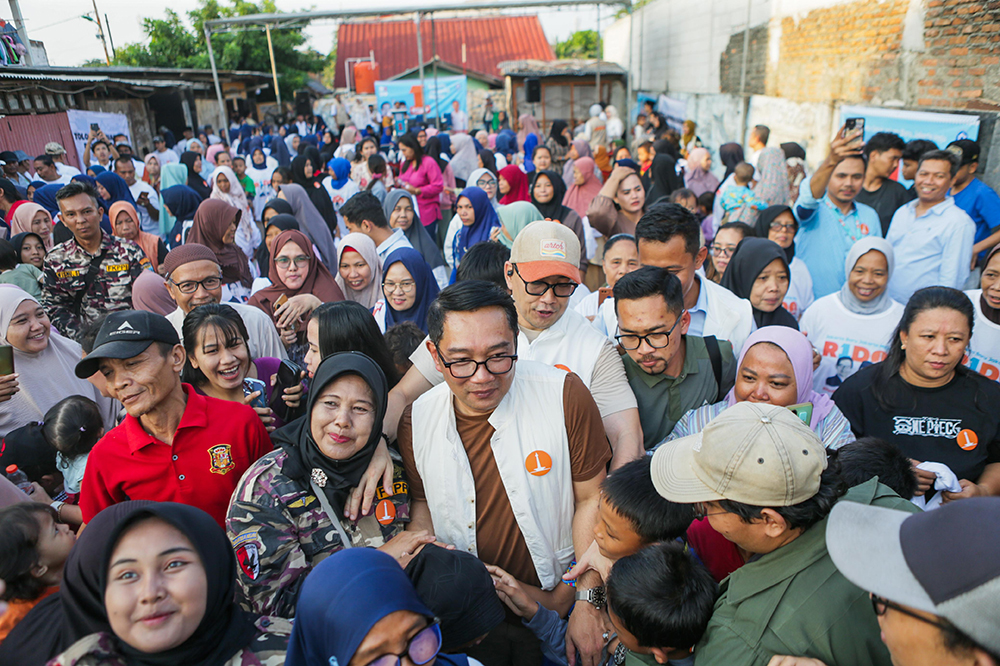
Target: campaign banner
(423, 102)
(110, 123)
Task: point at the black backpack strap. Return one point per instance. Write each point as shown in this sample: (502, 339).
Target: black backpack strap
(715, 356)
(88, 281)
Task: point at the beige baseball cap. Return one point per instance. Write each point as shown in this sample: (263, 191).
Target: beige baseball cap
(752, 453)
(54, 148)
(545, 249)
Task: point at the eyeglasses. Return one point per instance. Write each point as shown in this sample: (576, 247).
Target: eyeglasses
(700, 511)
(560, 289)
(881, 605)
(421, 649)
(301, 260)
(483, 183)
(778, 226)
(406, 286)
(500, 364)
(722, 251)
(632, 342)
(191, 286)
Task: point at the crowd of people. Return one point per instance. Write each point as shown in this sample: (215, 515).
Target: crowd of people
(374, 393)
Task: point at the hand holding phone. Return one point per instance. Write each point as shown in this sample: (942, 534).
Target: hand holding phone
(803, 410)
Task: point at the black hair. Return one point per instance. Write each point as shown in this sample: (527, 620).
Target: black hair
(9, 257)
(19, 533)
(364, 206)
(663, 595)
(410, 141)
(542, 147)
(631, 493)
(75, 188)
(469, 296)
(73, 425)
(864, 458)
(230, 325)
(706, 200)
(286, 174)
(662, 221)
(929, 298)
(361, 144)
(917, 147)
(123, 159)
(99, 142)
(958, 643)
(763, 133)
(944, 156)
(743, 227)
(743, 172)
(806, 513)
(858, 156)
(377, 166)
(485, 261)
(349, 326)
(89, 334)
(648, 281)
(618, 238)
(239, 158)
(883, 141)
(682, 193)
(45, 159)
(403, 339)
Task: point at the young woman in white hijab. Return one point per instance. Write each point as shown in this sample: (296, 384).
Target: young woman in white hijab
(44, 364)
(227, 187)
(464, 157)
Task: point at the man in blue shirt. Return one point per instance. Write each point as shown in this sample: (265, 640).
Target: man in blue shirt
(830, 221)
(976, 197)
(931, 237)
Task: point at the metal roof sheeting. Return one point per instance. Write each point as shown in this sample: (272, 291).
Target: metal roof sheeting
(488, 41)
(569, 67)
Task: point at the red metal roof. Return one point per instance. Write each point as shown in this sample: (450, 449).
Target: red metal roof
(488, 42)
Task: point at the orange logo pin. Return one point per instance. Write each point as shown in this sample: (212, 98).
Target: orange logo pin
(385, 512)
(538, 463)
(563, 367)
(967, 440)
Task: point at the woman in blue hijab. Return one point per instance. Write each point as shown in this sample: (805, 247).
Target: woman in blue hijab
(116, 188)
(478, 219)
(409, 288)
(530, 144)
(371, 586)
(507, 144)
(183, 203)
(280, 152)
(45, 196)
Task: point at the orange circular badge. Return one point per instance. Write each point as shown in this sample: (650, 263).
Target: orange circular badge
(967, 440)
(385, 512)
(538, 463)
(563, 367)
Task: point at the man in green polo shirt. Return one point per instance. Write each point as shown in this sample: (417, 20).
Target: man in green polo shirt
(760, 477)
(669, 371)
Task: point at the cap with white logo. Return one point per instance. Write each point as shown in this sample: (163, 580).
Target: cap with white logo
(124, 335)
(546, 249)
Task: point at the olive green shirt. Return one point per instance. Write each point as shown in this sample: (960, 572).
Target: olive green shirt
(794, 601)
(663, 399)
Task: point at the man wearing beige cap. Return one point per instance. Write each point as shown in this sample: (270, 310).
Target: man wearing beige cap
(760, 477)
(58, 154)
(541, 275)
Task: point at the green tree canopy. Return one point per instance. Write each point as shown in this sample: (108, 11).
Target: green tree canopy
(172, 43)
(581, 44)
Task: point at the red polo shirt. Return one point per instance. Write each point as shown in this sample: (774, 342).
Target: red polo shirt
(215, 443)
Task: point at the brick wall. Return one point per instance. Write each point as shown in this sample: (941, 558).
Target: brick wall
(961, 65)
(731, 62)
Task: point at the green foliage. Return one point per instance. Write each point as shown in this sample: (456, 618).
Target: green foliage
(581, 44)
(171, 43)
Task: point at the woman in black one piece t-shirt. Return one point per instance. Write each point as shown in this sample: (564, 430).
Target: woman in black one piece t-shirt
(925, 401)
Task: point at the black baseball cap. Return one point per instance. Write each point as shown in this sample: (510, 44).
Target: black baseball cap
(126, 334)
(9, 157)
(966, 149)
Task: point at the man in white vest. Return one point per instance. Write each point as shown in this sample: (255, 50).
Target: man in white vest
(541, 275)
(504, 460)
(669, 237)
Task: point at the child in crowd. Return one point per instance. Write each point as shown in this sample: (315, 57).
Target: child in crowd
(73, 426)
(240, 169)
(403, 339)
(379, 171)
(34, 546)
(645, 154)
(864, 458)
(706, 201)
(739, 201)
(660, 600)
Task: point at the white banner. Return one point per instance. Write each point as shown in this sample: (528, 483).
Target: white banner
(110, 123)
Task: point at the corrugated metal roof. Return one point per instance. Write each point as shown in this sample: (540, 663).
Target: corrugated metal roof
(488, 41)
(83, 78)
(567, 67)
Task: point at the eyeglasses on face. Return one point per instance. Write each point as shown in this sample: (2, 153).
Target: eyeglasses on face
(631, 342)
(881, 605)
(722, 250)
(500, 364)
(191, 286)
(301, 260)
(778, 226)
(421, 649)
(406, 286)
(560, 289)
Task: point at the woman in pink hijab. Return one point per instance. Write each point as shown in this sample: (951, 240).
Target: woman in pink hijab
(585, 186)
(698, 177)
(527, 125)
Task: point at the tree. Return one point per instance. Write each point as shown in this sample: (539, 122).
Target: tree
(171, 43)
(581, 44)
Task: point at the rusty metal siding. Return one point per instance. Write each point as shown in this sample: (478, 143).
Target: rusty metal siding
(30, 133)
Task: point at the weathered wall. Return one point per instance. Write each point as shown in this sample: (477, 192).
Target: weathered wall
(731, 63)
(139, 117)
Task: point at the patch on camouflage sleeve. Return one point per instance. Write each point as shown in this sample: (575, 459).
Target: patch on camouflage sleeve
(247, 545)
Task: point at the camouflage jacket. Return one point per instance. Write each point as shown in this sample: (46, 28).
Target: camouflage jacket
(64, 276)
(280, 532)
(267, 649)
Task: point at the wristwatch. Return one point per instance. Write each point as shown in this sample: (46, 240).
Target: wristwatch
(594, 596)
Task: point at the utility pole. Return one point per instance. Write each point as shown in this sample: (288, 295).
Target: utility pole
(111, 38)
(274, 70)
(100, 32)
(22, 32)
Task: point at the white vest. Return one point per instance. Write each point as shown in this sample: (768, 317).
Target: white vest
(571, 342)
(529, 422)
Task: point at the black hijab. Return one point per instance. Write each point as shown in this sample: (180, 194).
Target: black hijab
(283, 221)
(556, 132)
(751, 257)
(553, 210)
(731, 154)
(304, 456)
(195, 181)
(664, 178)
(280, 206)
(489, 162)
(433, 148)
(77, 609)
(225, 628)
(762, 227)
(316, 192)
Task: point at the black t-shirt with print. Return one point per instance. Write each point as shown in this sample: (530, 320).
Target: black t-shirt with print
(885, 200)
(957, 424)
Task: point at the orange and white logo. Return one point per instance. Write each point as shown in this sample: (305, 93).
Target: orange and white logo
(385, 512)
(538, 463)
(563, 367)
(968, 440)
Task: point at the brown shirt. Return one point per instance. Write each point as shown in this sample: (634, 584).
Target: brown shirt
(603, 215)
(499, 538)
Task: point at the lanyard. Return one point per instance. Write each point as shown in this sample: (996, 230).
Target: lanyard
(860, 229)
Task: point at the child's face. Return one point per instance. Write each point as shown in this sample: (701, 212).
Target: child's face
(614, 534)
(55, 540)
(643, 154)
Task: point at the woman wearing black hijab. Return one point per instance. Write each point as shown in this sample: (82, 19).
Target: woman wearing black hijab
(758, 271)
(290, 503)
(664, 178)
(304, 174)
(192, 161)
(731, 154)
(207, 628)
(489, 161)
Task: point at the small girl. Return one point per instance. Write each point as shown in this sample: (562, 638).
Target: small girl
(378, 168)
(73, 426)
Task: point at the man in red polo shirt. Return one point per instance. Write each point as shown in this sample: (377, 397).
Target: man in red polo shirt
(166, 449)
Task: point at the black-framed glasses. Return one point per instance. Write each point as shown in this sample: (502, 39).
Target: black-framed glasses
(191, 286)
(284, 262)
(881, 605)
(560, 289)
(421, 649)
(778, 226)
(722, 250)
(701, 511)
(631, 342)
(500, 364)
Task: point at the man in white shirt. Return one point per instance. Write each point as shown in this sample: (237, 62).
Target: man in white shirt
(125, 150)
(669, 237)
(459, 118)
(163, 154)
(194, 278)
(147, 201)
(931, 236)
(212, 137)
(363, 214)
(58, 155)
(757, 142)
(45, 171)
